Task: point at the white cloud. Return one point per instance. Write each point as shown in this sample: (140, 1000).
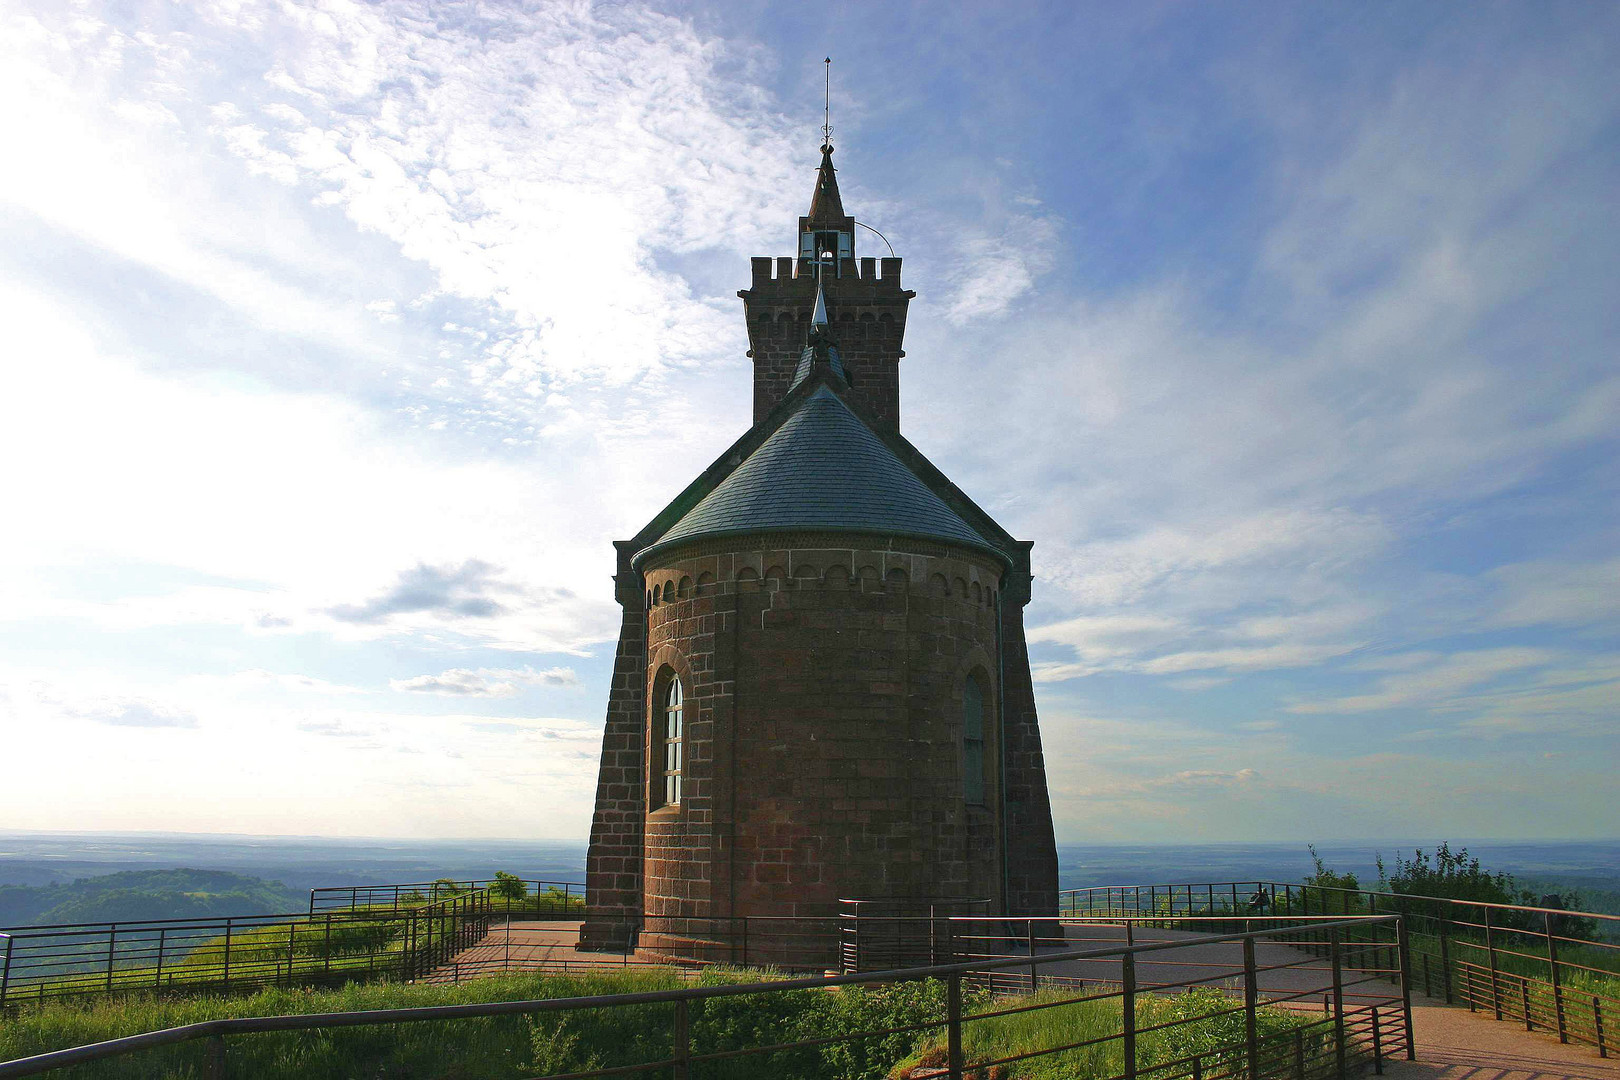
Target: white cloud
(485, 682)
(142, 714)
(1437, 684)
(1558, 594)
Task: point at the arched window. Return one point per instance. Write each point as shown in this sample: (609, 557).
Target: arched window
(672, 742)
(973, 742)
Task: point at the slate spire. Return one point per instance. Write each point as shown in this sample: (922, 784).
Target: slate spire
(826, 205)
(819, 350)
(818, 315)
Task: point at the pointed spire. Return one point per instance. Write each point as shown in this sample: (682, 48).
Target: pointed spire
(819, 351)
(826, 206)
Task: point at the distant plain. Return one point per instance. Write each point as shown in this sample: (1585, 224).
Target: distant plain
(302, 863)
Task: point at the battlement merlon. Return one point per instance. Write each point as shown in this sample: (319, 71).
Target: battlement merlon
(769, 273)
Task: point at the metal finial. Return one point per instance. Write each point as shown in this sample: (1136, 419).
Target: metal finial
(826, 127)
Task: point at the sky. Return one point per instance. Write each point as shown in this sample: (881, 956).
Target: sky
(339, 340)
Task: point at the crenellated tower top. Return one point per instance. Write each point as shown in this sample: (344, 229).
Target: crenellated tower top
(865, 308)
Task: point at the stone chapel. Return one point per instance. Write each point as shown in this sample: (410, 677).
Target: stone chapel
(822, 688)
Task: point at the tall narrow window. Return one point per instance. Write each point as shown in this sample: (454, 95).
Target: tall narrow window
(672, 743)
(973, 742)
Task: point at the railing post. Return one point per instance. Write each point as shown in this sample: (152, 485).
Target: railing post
(1251, 998)
(227, 972)
(1127, 1012)
(1378, 1044)
(214, 1058)
(112, 939)
(1032, 965)
(953, 1025)
(1597, 1025)
(683, 1040)
(1338, 1004)
(1403, 952)
(1299, 1054)
(1445, 959)
(1490, 956)
(157, 977)
(1557, 984)
(1524, 1000)
(5, 974)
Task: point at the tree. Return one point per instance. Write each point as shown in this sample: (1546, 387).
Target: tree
(1340, 891)
(508, 886)
(1452, 875)
(1457, 875)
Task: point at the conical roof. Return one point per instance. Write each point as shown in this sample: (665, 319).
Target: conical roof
(822, 470)
(826, 205)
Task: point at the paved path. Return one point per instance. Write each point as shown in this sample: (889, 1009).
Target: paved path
(1455, 1044)
(525, 945)
(1283, 971)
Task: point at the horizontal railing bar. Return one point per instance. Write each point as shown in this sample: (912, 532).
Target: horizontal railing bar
(250, 1025)
(1299, 888)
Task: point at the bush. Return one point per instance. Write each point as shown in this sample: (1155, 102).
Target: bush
(508, 887)
(628, 1035)
(1456, 875)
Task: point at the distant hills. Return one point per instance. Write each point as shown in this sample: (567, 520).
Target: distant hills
(146, 894)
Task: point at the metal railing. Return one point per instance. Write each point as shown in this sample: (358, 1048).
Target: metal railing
(1359, 1021)
(542, 897)
(239, 952)
(1546, 968)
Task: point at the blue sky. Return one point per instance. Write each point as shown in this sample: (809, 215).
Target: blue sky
(340, 340)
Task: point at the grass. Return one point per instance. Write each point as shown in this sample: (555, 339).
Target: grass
(494, 1047)
(500, 1048)
(1204, 1022)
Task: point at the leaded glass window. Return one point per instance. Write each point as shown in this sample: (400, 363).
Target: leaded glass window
(672, 743)
(973, 742)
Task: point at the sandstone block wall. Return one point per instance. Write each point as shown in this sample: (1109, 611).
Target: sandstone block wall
(868, 313)
(823, 739)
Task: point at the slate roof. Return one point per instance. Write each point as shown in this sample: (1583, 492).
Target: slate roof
(826, 205)
(807, 363)
(822, 470)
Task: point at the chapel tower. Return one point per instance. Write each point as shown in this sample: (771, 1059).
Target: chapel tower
(822, 688)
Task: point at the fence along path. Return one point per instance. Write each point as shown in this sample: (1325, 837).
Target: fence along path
(1546, 968)
(1331, 1044)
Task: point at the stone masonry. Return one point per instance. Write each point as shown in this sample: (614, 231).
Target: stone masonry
(824, 594)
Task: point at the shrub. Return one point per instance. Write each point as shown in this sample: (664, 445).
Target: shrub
(628, 1035)
(508, 887)
(1457, 875)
